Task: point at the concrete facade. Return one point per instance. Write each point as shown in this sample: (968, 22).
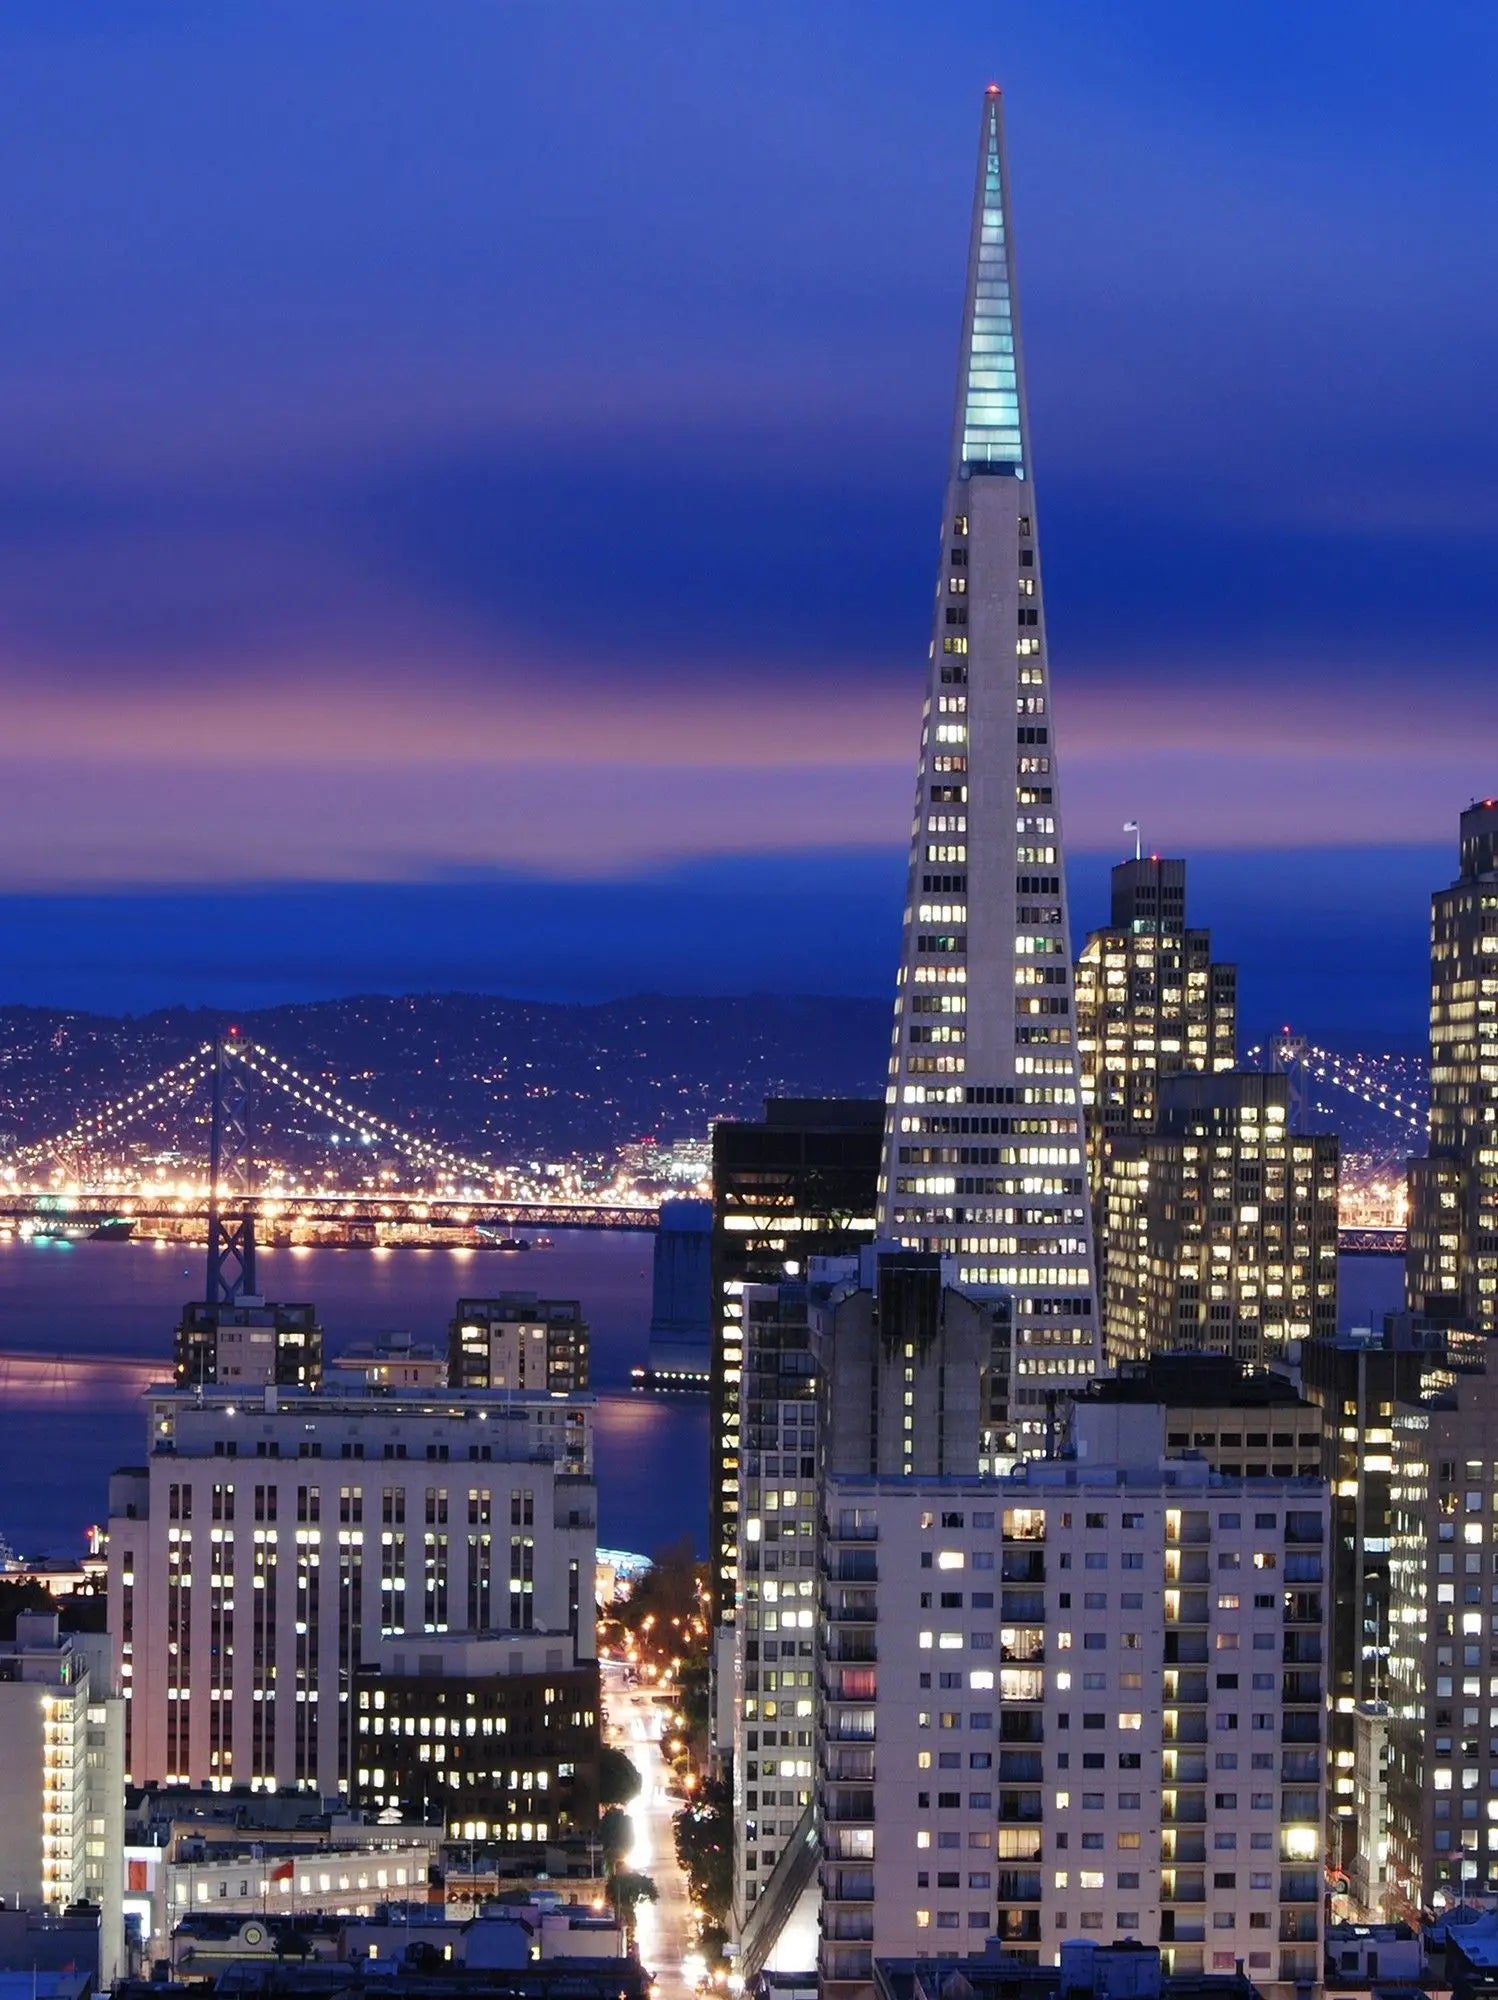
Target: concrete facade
(1087, 1697)
(268, 1546)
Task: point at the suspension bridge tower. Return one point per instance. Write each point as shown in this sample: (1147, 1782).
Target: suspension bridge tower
(231, 1175)
(1288, 1054)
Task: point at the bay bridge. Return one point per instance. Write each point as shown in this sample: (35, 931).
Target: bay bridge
(75, 1181)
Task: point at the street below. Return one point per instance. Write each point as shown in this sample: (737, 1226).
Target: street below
(665, 1932)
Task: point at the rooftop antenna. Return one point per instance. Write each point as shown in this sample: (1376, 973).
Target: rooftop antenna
(1132, 826)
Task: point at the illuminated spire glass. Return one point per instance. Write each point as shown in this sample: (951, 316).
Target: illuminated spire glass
(991, 439)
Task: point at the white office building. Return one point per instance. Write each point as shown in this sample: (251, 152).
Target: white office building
(61, 1777)
(270, 1543)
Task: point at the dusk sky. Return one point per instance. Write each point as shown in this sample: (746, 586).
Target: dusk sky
(469, 481)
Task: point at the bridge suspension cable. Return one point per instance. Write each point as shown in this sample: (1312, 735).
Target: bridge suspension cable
(1352, 1076)
(113, 1119)
(1355, 1076)
(305, 1090)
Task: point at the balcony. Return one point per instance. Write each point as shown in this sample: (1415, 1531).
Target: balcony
(1022, 1566)
(846, 1765)
(842, 1963)
(1018, 1607)
(1019, 1808)
(1021, 1767)
(1188, 1566)
(1298, 1926)
(850, 1683)
(1027, 1649)
(1019, 1885)
(849, 1729)
(851, 1531)
(1300, 1767)
(1185, 1689)
(851, 1566)
(1183, 1809)
(848, 1806)
(1185, 1607)
(1019, 1926)
(1020, 1725)
(1188, 1728)
(848, 1885)
(849, 1926)
(1300, 1885)
(854, 1607)
(1302, 1690)
(850, 1649)
(1301, 1649)
(1189, 1768)
(1185, 1649)
(1183, 1848)
(1301, 1728)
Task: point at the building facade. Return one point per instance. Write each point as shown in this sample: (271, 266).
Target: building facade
(496, 1731)
(800, 1183)
(1359, 1379)
(983, 1150)
(1452, 1267)
(1222, 1227)
(1150, 1002)
(1442, 1772)
(871, 1364)
(519, 1341)
(249, 1343)
(1084, 1698)
(62, 1777)
(267, 1548)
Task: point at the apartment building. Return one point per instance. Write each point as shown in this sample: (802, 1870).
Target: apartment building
(519, 1341)
(1084, 1698)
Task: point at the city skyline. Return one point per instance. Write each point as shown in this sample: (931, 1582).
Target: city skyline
(290, 466)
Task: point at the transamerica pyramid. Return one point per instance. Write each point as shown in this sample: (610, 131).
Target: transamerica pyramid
(984, 1158)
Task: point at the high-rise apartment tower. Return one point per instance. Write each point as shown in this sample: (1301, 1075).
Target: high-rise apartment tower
(983, 1147)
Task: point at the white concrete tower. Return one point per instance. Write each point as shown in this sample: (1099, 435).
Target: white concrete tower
(984, 1155)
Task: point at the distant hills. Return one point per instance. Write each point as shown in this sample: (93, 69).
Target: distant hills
(513, 1080)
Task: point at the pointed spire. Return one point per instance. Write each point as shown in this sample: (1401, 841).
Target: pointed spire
(991, 433)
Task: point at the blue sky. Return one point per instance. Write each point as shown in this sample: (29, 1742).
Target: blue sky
(469, 476)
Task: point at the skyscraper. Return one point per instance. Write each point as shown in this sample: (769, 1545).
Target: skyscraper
(799, 1184)
(1452, 1269)
(1150, 1003)
(1221, 1226)
(983, 1147)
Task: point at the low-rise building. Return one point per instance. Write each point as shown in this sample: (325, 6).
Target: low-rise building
(496, 1731)
(519, 1341)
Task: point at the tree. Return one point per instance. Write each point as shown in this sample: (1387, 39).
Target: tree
(18, 1594)
(704, 1845)
(629, 1890)
(616, 1836)
(618, 1780)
